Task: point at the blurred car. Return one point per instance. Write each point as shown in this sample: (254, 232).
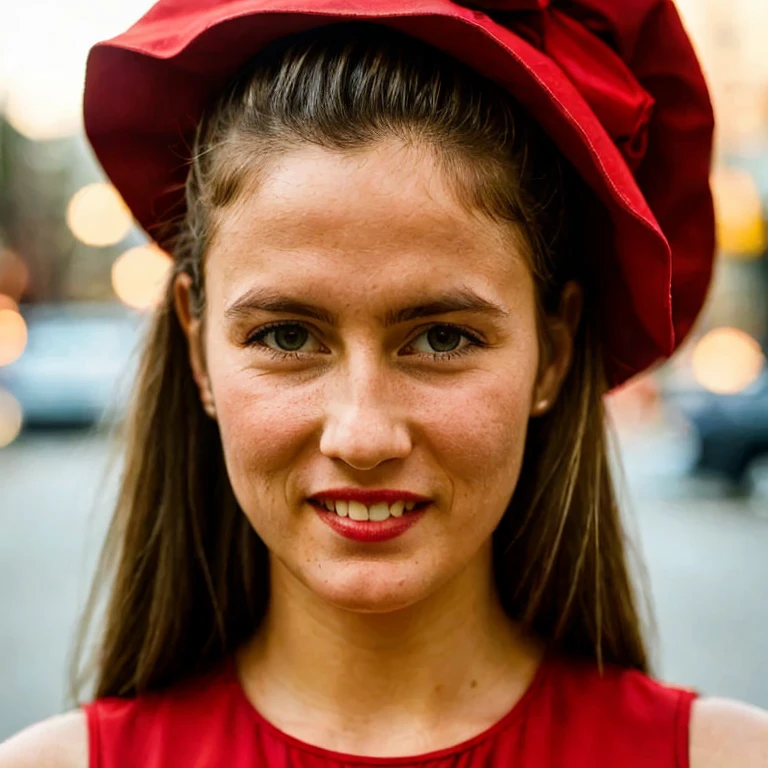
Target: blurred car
(732, 431)
(76, 366)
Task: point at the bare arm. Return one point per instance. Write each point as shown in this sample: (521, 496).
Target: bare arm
(726, 734)
(60, 742)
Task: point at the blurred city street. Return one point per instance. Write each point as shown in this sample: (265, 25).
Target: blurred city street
(706, 557)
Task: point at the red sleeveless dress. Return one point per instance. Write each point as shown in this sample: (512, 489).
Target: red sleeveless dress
(570, 717)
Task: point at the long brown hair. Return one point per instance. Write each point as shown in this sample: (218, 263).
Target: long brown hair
(187, 574)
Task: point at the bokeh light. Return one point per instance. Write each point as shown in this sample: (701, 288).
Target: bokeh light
(738, 209)
(727, 361)
(43, 111)
(13, 336)
(14, 274)
(6, 302)
(97, 215)
(44, 83)
(139, 276)
(10, 418)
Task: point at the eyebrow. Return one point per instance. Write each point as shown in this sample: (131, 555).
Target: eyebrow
(267, 300)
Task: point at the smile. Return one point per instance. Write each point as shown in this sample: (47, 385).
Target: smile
(377, 523)
(377, 512)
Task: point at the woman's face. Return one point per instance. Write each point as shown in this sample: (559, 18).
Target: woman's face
(363, 331)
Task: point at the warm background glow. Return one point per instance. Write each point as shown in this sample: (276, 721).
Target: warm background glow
(10, 418)
(727, 361)
(740, 229)
(139, 276)
(6, 302)
(43, 48)
(97, 215)
(42, 113)
(14, 274)
(13, 336)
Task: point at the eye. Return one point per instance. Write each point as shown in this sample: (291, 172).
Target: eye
(290, 338)
(445, 341)
(444, 338)
(287, 339)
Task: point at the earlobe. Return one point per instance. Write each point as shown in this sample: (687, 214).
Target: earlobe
(192, 328)
(562, 332)
(182, 295)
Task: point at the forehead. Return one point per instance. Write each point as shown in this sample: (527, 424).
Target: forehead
(386, 212)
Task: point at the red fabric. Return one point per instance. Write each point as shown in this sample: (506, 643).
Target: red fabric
(615, 84)
(570, 717)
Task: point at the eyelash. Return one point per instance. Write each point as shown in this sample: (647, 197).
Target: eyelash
(256, 339)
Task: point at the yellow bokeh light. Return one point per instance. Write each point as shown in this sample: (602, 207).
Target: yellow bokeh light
(139, 276)
(10, 418)
(727, 361)
(13, 336)
(739, 214)
(97, 215)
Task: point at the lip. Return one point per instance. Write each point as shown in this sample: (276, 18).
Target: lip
(368, 497)
(369, 531)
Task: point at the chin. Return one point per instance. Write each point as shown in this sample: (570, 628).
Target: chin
(371, 607)
(363, 591)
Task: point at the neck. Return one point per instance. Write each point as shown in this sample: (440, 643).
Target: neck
(452, 653)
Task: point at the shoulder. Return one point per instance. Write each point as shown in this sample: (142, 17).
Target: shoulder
(628, 695)
(59, 742)
(649, 719)
(726, 733)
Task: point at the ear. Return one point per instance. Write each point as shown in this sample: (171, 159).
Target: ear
(561, 330)
(193, 330)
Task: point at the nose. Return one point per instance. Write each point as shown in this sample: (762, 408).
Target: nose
(364, 420)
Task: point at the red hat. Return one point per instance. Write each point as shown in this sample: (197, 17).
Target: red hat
(616, 85)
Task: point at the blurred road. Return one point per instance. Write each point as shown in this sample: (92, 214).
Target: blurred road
(707, 560)
(51, 529)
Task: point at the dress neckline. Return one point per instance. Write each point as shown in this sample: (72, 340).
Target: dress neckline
(506, 721)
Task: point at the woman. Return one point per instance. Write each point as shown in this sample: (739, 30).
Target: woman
(367, 515)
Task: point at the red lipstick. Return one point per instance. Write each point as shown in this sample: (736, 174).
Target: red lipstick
(369, 530)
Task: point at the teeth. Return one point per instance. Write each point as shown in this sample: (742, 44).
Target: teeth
(376, 512)
(379, 511)
(357, 511)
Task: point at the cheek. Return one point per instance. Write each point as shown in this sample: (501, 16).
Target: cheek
(258, 428)
(264, 426)
(482, 437)
(483, 424)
